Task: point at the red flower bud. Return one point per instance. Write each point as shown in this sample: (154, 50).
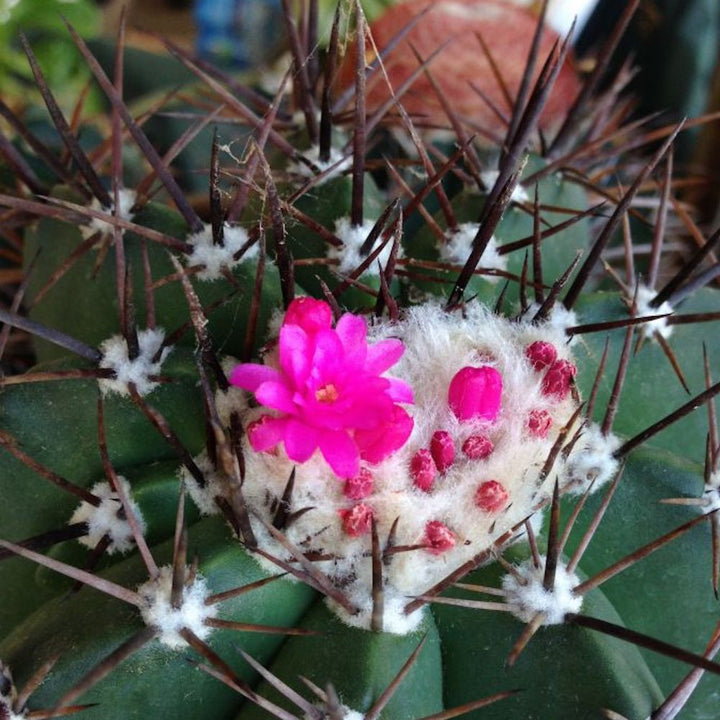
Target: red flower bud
(478, 447)
(442, 450)
(423, 469)
(541, 354)
(491, 496)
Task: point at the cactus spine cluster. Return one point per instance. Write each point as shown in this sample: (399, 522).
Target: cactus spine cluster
(397, 425)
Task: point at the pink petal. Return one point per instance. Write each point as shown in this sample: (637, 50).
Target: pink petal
(276, 395)
(329, 356)
(352, 331)
(249, 376)
(400, 391)
(266, 432)
(383, 355)
(341, 453)
(300, 441)
(475, 392)
(381, 441)
(295, 353)
(310, 314)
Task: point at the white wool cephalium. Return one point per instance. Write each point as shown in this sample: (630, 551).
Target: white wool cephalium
(490, 485)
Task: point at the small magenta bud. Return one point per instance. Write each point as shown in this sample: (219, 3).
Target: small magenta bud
(423, 470)
(491, 496)
(541, 354)
(442, 450)
(475, 392)
(438, 537)
(478, 447)
(310, 314)
(539, 422)
(357, 520)
(558, 379)
(360, 486)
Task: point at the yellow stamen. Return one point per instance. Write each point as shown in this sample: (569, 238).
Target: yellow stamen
(327, 393)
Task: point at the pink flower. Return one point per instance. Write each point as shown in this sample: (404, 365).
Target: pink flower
(475, 392)
(328, 391)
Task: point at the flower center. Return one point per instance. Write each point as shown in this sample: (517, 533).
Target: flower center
(327, 393)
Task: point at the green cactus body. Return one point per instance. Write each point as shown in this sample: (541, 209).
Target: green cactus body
(365, 507)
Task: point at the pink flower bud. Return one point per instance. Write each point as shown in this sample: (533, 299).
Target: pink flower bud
(438, 537)
(310, 314)
(357, 520)
(491, 496)
(423, 470)
(541, 354)
(558, 379)
(475, 392)
(478, 447)
(442, 450)
(539, 422)
(360, 486)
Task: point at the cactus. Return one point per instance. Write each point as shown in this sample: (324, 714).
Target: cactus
(374, 436)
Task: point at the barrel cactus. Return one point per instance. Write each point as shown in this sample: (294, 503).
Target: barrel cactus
(398, 424)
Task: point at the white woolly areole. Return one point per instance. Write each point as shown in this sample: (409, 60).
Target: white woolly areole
(456, 250)
(8, 695)
(353, 238)
(644, 297)
(395, 621)
(560, 318)
(437, 346)
(136, 370)
(216, 258)
(711, 493)
(489, 178)
(233, 399)
(338, 161)
(347, 713)
(216, 485)
(104, 520)
(527, 597)
(158, 612)
(126, 200)
(591, 461)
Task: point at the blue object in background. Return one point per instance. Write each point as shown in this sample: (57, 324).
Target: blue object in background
(239, 34)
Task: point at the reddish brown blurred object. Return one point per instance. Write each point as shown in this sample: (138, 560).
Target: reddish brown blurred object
(463, 69)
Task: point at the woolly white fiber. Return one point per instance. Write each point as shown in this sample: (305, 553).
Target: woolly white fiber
(138, 370)
(645, 296)
(471, 504)
(489, 178)
(126, 200)
(216, 258)
(456, 250)
(104, 520)
(216, 485)
(158, 612)
(591, 461)
(8, 695)
(336, 164)
(353, 238)
(527, 597)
